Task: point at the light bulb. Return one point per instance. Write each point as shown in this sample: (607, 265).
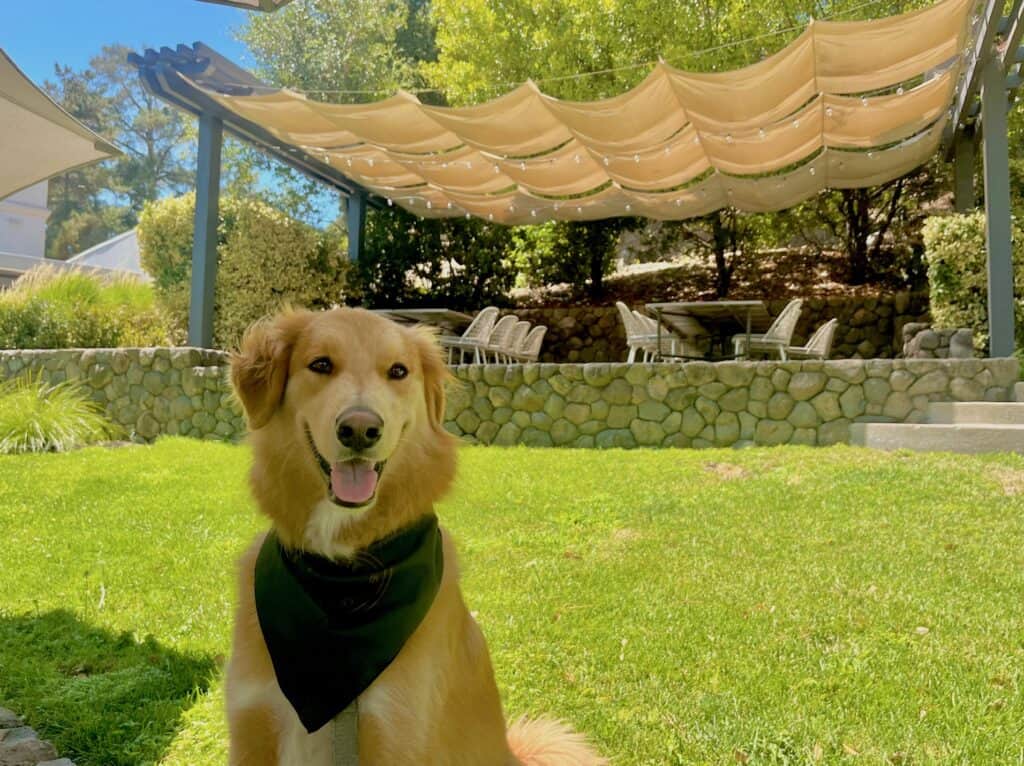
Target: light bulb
(812, 171)
(899, 91)
(628, 207)
(796, 123)
(429, 204)
(490, 216)
(577, 159)
(390, 203)
(863, 100)
(607, 162)
(761, 134)
(636, 158)
(533, 214)
(728, 138)
(828, 112)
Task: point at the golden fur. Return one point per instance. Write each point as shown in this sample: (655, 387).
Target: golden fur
(437, 703)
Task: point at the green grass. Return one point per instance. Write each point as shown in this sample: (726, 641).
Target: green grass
(782, 606)
(38, 417)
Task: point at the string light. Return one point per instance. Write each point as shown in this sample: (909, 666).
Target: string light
(577, 159)
(761, 134)
(796, 123)
(828, 112)
(607, 162)
(636, 158)
(390, 202)
(429, 204)
(863, 100)
(533, 214)
(812, 171)
(490, 216)
(728, 138)
(899, 91)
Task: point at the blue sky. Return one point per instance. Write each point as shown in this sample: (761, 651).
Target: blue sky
(37, 33)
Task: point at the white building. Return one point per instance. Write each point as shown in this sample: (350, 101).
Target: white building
(22, 231)
(23, 241)
(120, 253)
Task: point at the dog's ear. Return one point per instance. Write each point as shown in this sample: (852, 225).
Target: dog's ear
(259, 368)
(435, 373)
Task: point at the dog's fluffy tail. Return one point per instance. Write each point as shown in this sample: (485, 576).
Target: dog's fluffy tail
(544, 742)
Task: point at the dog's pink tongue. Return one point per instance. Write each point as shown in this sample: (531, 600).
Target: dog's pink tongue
(354, 481)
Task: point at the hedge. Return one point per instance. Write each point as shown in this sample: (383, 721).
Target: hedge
(265, 259)
(958, 277)
(51, 308)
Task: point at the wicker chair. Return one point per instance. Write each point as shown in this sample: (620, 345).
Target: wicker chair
(474, 339)
(778, 337)
(637, 337)
(529, 349)
(497, 343)
(515, 340)
(819, 346)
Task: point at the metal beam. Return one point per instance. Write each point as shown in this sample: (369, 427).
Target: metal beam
(963, 171)
(161, 74)
(355, 218)
(204, 245)
(980, 53)
(1011, 42)
(998, 238)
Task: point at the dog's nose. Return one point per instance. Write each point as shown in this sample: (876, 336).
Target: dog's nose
(359, 428)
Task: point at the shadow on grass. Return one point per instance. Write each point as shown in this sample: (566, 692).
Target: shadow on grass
(102, 698)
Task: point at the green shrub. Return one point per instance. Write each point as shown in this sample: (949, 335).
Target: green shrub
(454, 262)
(265, 259)
(38, 417)
(580, 253)
(958, 277)
(50, 308)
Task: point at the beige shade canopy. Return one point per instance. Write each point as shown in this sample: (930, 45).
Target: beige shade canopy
(38, 139)
(845, 105)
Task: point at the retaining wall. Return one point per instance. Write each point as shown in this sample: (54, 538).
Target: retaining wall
(146, 391)
(185, 391)
(704, 405)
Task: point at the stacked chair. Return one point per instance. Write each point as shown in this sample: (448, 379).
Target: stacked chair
(642, 337)
(490, 339)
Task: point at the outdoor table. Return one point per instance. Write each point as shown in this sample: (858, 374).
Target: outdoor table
(725, 316)
(451, 322)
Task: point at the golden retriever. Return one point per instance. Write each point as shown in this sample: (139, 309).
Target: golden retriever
(345, 412)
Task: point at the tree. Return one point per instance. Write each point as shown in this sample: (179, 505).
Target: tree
(580, 253)
(877, 228)
(448, 261)
(90, 205)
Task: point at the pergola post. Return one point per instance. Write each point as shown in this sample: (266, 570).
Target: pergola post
(997, 209)
(204, 245)
(355, 218)
(963, 171)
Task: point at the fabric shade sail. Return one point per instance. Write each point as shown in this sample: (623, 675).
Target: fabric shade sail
(38, 139)
(845, 105)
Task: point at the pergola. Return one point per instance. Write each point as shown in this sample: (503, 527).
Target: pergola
(846, 105)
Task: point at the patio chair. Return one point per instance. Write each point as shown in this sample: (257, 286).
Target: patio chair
(819, 346)
(529, 349)
(496, 346)
(515, 340)
(474, 338)
(636, 336)
(776, 340)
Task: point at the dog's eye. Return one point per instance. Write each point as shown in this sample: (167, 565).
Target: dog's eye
(398, 371)
(321, 365)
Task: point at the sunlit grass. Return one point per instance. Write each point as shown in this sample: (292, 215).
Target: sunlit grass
(764, 606)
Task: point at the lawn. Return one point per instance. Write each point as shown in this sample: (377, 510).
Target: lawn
(764, 606)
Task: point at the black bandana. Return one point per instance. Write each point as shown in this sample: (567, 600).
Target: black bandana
(333, 627)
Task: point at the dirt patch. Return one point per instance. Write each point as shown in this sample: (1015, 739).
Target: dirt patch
(626, 535)
(727, 471)
(1011, 480)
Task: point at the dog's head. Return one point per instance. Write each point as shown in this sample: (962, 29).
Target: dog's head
(345, 408)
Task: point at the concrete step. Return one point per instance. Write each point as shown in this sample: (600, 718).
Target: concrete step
(939, 437)
(994, 413)
(1018, 392)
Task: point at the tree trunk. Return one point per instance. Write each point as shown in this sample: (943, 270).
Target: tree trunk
(723, 271)
(857, 210)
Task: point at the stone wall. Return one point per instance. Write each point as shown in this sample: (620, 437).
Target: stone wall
(702, 405)
(185, 391)
(869, 327)
(921, 341)
(147, 391)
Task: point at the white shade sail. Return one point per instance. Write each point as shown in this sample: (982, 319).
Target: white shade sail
(38, 139)
(845, 105)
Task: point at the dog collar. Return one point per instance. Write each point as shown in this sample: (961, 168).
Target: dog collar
(333, 626)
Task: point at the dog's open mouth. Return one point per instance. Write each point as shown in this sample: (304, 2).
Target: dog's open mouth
(350, 483)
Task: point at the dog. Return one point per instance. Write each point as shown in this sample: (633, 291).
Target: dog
(346, 411)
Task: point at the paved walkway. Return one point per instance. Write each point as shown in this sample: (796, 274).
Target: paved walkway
(21, 746)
